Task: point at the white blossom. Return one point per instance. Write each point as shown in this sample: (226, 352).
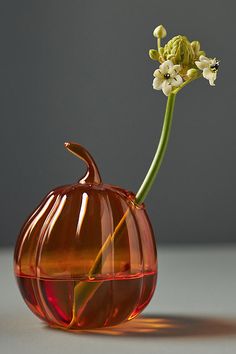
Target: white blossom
(209, 68)
(167, 77)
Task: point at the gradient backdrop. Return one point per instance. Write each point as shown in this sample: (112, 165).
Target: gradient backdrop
(79, 70)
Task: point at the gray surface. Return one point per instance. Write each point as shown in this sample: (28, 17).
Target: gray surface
(193, 311)
(79, 70)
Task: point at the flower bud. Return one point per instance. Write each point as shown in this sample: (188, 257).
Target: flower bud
(159, 32)
(192, 73)
(196, 47)
(153, 54)
(201, 53)
(179, 51)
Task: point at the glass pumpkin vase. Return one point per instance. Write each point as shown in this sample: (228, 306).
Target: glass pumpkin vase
(86, 257)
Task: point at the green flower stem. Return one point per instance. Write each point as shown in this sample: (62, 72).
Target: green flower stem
(186, 83)
(161, 149)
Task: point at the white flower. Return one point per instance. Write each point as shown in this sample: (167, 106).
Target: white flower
(209, 67)
(167, 77)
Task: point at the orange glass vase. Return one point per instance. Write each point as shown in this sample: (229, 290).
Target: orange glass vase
(86, 257)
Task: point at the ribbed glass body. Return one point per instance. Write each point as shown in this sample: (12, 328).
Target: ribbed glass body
(86, 258)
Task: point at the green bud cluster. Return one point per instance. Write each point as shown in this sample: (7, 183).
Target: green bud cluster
(178, 49)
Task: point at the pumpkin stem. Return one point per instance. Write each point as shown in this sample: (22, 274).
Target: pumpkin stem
(92, 175)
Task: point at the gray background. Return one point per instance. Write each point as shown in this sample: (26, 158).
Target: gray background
(79, 70)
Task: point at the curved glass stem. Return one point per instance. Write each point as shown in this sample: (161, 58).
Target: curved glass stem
(161, 149)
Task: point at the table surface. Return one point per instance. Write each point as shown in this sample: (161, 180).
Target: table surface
(193, 311)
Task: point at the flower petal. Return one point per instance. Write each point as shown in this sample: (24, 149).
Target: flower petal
(176, 68)
(164, 67)
(211, 82)
(212, 79)
(213, 61)
(166, 88)
(169, 63)
(157, 84)
(203, 58)
(208, 74)
(176, 81)
(157, 73)
(202, 64)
